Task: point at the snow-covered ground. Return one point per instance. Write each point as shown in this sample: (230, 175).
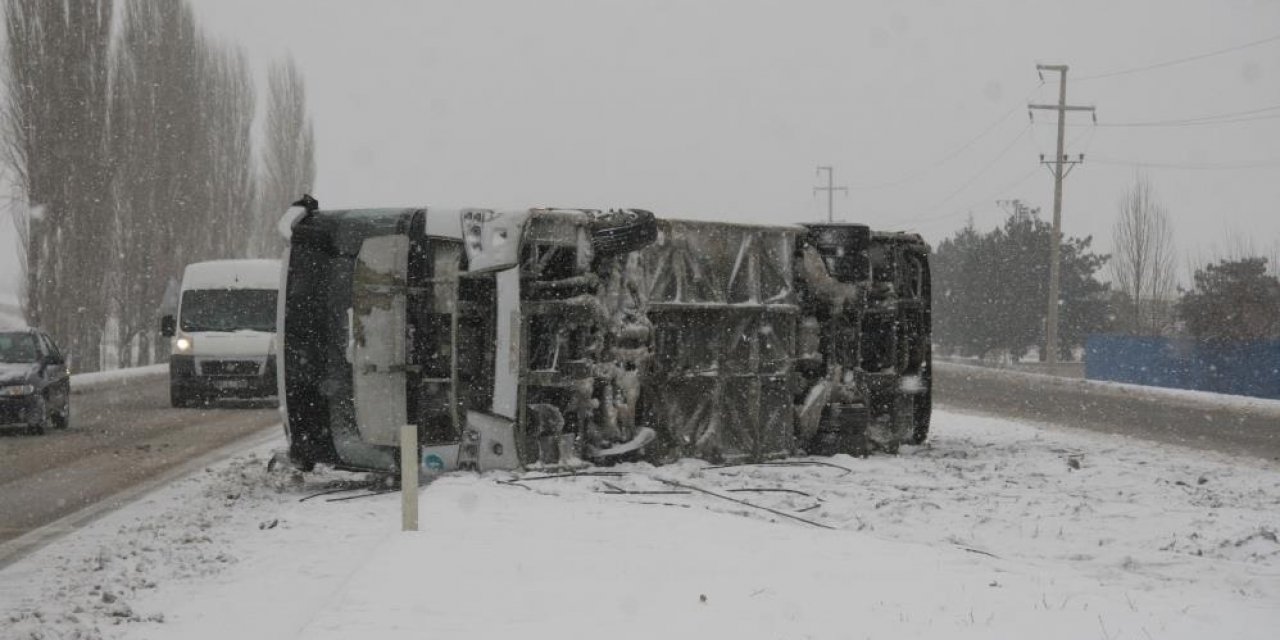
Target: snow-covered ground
(992, 530)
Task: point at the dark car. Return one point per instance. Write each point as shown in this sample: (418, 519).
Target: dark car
(35, 388)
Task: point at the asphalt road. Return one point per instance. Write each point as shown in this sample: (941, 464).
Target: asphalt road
(1185, 421)
(122, 435)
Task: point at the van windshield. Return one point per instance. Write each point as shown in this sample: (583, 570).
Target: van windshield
(229, 310)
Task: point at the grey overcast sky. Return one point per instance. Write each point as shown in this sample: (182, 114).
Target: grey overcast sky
(722, 108)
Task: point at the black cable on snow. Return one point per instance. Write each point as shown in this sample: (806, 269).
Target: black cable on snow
(744, 503)
(783, 463)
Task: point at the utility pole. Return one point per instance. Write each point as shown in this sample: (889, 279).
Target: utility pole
(1059, 164)
(831, 189)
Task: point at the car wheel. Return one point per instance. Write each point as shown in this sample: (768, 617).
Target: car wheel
(38, 428)
(62, 419)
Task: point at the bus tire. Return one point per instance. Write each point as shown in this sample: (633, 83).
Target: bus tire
(621, 231)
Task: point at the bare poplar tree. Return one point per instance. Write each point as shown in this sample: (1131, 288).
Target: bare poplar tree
(229, 102)
(1143, 261)
(157, 141)
(21, 218)
(54, 124)
(130, 142)
(289, 164)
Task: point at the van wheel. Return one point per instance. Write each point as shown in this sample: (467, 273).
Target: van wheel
(622, 230)
(179, 398)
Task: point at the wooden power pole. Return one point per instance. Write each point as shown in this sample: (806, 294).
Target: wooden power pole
(1060, 165)
(831, 189)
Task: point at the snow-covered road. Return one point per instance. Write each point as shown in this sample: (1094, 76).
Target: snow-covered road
(993, 530)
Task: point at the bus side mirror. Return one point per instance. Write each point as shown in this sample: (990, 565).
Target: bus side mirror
(168, 326)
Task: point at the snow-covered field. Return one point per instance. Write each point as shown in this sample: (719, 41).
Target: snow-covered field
(992, 530)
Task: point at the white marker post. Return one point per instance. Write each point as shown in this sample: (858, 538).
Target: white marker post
(409, 477)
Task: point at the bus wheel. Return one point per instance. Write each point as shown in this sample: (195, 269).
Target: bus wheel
(620, 231)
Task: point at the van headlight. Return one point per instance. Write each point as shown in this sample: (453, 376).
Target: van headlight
(182, 345)
(18, 390)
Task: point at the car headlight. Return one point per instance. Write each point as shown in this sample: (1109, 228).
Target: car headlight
(18, 390)
(182, 344)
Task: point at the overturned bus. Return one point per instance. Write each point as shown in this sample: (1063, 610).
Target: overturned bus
(558, 337)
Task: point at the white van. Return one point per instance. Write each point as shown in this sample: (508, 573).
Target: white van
(223, 337)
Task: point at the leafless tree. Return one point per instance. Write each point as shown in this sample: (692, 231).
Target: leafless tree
(20, 216)
(229, 101)
(182, 121)
(54, 122)
(1143, 260)
(130, 143)
(289, 164)
(154, 140)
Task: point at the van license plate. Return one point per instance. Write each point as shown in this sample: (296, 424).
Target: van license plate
(231, 384)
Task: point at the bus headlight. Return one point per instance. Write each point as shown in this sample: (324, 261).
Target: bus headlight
(182, 345)
(474, 237)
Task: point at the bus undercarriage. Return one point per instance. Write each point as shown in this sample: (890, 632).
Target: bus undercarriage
(556, 338)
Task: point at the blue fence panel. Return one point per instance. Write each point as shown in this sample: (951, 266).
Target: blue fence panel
(1240, 368)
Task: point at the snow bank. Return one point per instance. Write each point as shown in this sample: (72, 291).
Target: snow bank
(994, 529)
(88, 381)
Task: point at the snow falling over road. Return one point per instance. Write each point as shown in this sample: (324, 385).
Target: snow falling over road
(993, 529)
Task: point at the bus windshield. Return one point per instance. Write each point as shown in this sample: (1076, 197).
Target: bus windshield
(229, 310)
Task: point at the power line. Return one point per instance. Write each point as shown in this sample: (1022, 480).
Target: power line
(1228, 166)
(950, 155)
(943, 160)
(966, 209)
(1088, 139)
(1170, 63)
(1249, 115)
(1232, 114)
(983, 170)
(1174, 124)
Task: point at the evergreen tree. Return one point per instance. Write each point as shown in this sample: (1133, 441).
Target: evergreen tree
(1233, 300)
(990, 289)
